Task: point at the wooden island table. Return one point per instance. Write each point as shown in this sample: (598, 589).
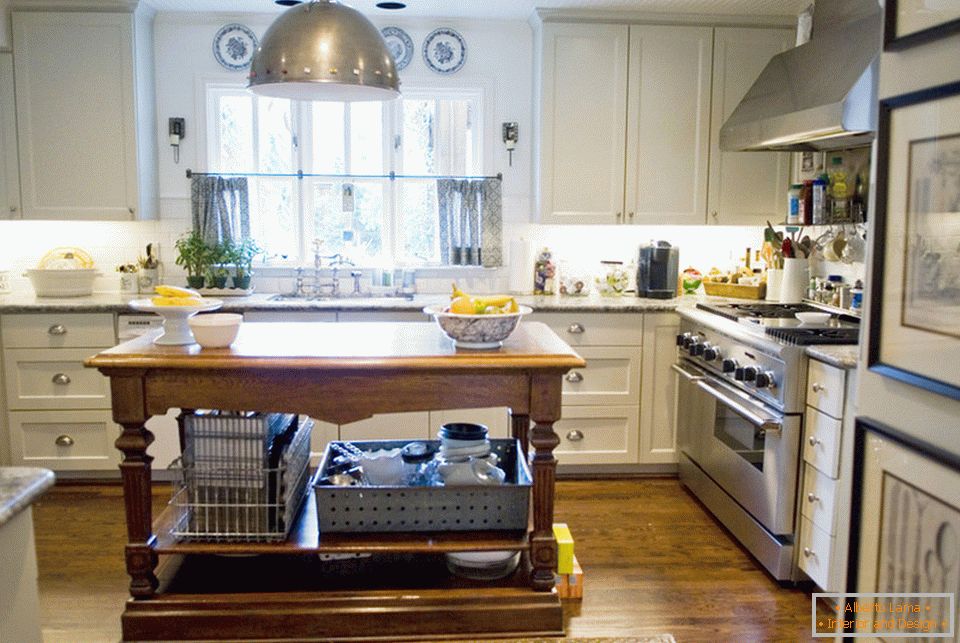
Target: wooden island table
(337, 372)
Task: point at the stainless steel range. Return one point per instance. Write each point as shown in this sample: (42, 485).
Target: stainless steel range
(742, 373)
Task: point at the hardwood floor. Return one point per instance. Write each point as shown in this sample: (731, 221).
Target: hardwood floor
(654, 562)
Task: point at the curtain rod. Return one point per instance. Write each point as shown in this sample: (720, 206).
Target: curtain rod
(301, 174)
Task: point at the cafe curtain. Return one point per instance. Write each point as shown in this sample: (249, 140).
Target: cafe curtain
(221, 208)
(471, 222)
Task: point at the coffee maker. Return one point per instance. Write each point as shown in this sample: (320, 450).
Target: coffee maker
(657, 270)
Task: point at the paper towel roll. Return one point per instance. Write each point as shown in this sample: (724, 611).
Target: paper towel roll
(521, 266)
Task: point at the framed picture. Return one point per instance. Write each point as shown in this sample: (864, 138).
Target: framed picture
(910, 22)
(906, 494)
(915, 298)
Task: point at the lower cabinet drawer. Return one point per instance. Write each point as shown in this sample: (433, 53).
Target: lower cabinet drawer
(815, 558)
(611, 376)
(819, 499)
(53, 378)
(598, 435)
(64, 440)
(821, 442)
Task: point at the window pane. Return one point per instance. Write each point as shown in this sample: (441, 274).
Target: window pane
(366, 138)
(235, 134)
(335, 210)
(417, 225)
(418, 119)
(274, 215)
(275, 136)
(328, 139)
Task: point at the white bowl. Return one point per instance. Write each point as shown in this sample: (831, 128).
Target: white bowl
(813, 318)
(477, 331)
(75, 282)
(216, 330)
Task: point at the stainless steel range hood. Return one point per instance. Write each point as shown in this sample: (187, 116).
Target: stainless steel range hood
(820, 95)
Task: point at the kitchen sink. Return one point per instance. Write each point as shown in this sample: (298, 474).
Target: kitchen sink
(340, 297)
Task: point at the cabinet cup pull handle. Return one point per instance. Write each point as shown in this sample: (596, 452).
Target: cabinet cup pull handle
(807, 553)
(817, 387)
(812, 497)
(813, 440)
(574, 377)
(576, 329)
(61, 378)
(64, 441)
(575, 436)
(57, 329)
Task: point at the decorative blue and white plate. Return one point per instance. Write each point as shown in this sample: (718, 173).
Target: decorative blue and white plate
(233, 46)
(444, 51)
(400, 45)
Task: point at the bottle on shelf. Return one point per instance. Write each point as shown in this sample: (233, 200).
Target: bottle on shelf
(793, 204)
(819, 216)
(806, 203)
(858, 203)
(839, 191)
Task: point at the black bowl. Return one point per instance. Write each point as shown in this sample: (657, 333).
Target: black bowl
(463, 431)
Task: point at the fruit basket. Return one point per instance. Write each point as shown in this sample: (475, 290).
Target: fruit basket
(740, 291)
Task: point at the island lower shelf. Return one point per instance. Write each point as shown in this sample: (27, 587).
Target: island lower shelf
(305, 538)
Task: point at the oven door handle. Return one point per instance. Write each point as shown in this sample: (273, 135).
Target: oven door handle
(765, 424)
(687, 375)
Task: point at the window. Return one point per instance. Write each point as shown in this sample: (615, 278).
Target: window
(372, 219)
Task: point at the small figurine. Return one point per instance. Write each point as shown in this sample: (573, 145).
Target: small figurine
(543, 273)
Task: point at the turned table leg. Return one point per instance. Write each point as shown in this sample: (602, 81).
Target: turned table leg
(520, 429)
(128, 411)
(545, 410)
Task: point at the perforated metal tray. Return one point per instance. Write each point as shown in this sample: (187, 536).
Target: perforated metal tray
(444, 508)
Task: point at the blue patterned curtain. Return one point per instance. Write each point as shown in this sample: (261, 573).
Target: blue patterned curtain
(471, 222)
(221, 208)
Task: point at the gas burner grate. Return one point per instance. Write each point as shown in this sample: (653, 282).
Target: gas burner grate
(810, 336)
(757, 310)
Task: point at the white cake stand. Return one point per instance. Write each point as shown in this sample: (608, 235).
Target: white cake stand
(176, 329)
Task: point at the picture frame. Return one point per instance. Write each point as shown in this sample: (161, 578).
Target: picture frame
(906, 502)
(907, 23)
(914, 333)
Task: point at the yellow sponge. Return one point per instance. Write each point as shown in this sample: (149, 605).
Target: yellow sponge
(564, 548)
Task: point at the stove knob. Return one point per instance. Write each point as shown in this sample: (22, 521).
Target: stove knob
(750, 373)
(681, 338)
(765, 380)
(696, 349)
(687, 340)
(738, 373)
(711, 353)
(729, 365)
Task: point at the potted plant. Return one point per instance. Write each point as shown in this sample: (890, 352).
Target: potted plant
(193, 255)
(217, 273)
(242, 254)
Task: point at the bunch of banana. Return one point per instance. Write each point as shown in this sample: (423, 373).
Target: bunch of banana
(176, 296)
(463, 304)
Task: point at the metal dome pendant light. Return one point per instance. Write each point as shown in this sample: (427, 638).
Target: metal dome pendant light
(324, 51)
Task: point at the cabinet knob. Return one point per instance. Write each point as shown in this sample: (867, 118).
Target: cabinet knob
(630, 214)
(64, 441)
(13, 209)
(132, 210)
(575, 436)
(807, 552)
(57, 329)
(61, 378)
(813, 440)
(619, 217)
(576, 329)
(715, 216)
(812, 497)
(574, 377)
(817, 387)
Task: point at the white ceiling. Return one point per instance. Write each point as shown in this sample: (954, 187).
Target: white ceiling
(521, 9)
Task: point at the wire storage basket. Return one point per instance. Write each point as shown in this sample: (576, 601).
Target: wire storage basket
(243, 476)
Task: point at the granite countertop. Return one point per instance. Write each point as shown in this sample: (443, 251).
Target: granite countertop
(844, 356)
(115, 302)
(19, 487)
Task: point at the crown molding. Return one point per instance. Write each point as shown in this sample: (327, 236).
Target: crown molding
(656, 18)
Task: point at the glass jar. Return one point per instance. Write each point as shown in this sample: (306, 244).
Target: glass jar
(419, 466)
(613, 279)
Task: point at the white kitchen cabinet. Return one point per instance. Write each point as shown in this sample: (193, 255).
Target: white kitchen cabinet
(85, 115)
(388, 426)
(597, 435)
(9, 168)
(668, 124)
(582, 122)
(64, 440)
(658, 400)
(745, 188)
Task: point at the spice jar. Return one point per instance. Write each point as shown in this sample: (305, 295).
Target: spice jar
(613, 279)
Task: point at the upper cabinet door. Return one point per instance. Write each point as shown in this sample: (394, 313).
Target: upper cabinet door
(9, 170)
(583, 122)
(75, 114)
(668, 124)
(745, 187)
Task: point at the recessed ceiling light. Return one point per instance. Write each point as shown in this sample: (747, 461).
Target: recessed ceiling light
(391, 5)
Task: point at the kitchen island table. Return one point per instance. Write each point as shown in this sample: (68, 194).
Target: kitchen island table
(339, 373)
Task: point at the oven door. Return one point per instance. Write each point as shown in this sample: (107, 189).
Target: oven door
(750, 449)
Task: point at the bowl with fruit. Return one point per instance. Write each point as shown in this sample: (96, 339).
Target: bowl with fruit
(176, 305)
(478, 321)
